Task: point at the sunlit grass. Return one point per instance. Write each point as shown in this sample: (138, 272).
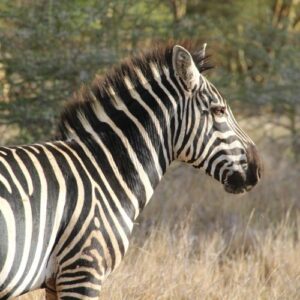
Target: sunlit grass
(177, 266)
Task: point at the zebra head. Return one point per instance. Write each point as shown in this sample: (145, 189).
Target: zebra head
(208, 135)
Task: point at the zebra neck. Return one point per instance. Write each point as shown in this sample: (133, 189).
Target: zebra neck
(134, 145)
(132, 157)
(129, 169)
(130, 131)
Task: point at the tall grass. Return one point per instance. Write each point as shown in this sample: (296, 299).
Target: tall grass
(195, 241)
(177, 266)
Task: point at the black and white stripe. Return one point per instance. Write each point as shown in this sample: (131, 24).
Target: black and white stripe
(67, 207)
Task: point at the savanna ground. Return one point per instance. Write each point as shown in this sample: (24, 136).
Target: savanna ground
(194, 241)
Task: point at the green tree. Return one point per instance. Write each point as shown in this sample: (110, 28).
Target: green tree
(49, 48)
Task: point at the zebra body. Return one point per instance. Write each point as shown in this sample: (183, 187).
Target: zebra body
(67, 207)
(65, 198)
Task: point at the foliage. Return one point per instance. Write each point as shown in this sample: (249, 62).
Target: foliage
(49, 48)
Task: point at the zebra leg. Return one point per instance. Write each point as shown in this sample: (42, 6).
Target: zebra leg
(82, 267)
(80, 280)
(83, 289)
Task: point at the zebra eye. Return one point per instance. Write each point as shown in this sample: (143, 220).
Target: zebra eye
(218, 110)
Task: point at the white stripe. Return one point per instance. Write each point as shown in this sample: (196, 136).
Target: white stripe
(214, 95)
(119, 228)
(70, 279)
(222, 147)
(32, 147)
(202, 135)
(131, 153)
(24, 171)
(140, 127)
(182, 133)
(167, 92)
(88, 128)
(189, 114)
(28, 229)
(5, 183)
(78, 237)
(9, 219)
(79, 200)
(182, 100)
(123, 184)
(85, 225)
(90, 269)
(239, 132)
(58, 213)
(135, 95)
(192, 136)
(79, 269)
(86, 284)
(161, 104)
(41, 231)
(145, 135)
(174, 102)
(230, 159)
(81, 197)
(215, 135)
(123, 213)
(67, 295)
(167, 118)
(43, 207)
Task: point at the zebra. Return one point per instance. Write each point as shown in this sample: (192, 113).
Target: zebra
(68, 206)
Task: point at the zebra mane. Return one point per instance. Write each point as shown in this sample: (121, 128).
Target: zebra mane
(102, 86)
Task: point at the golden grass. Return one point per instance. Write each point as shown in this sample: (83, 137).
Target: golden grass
(176, 266)
(35, 295)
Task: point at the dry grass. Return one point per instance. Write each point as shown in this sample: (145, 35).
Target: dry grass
(36, 295)
(175, 266)
(194, 241)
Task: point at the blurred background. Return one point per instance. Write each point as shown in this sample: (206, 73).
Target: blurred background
(193, 241)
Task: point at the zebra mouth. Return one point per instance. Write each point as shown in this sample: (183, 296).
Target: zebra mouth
(237, 190)
(234, 190)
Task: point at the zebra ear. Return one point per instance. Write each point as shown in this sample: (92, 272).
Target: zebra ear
(184, 67)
